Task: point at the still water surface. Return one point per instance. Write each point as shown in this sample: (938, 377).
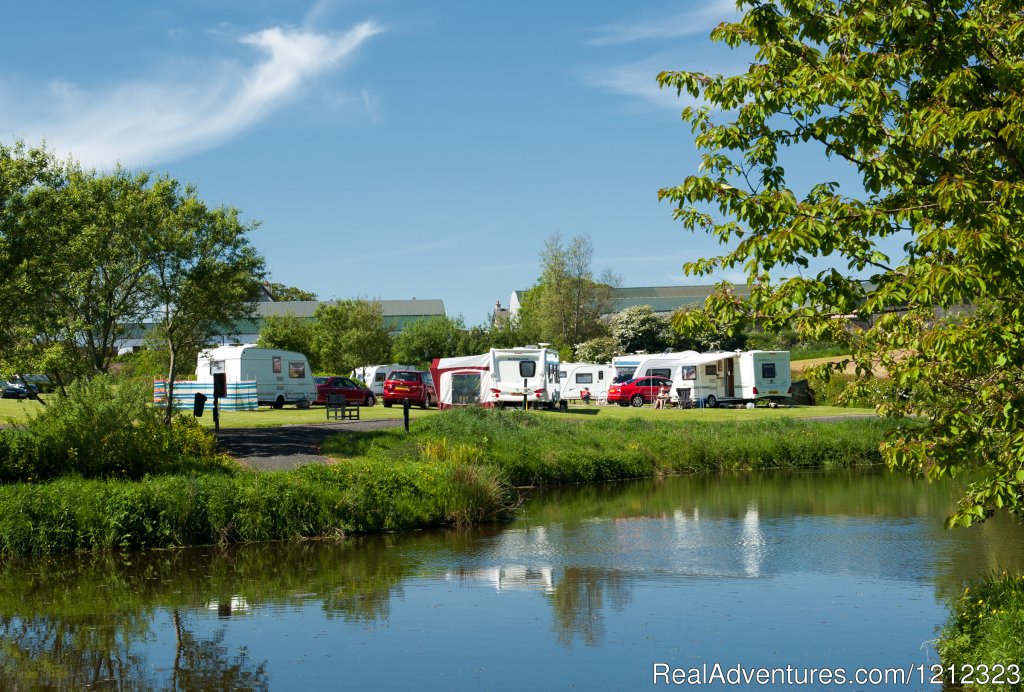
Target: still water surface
(589, 589)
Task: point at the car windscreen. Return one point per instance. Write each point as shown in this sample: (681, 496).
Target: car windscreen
(405, 376)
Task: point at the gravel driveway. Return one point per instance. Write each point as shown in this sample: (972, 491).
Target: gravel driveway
(288, 446)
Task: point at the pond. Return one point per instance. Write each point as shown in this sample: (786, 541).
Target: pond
(593, 587)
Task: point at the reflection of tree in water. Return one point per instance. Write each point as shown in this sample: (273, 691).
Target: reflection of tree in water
(206, 664)
(95, 651)
(41, 652)
(578, 601)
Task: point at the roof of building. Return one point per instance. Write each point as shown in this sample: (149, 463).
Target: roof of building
(662, 299)
(390, 308)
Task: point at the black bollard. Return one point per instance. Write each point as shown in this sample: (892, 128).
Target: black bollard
(405, 413)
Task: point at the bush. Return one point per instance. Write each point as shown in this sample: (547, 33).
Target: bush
(984, 627)
(103, 430)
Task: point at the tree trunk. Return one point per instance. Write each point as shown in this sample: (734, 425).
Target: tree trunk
(172, 372)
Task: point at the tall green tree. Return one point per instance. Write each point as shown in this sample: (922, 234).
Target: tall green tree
(637, 328)
(351, 334)
(566, 305)
(922, 101)
(206, 273)
(100, 274)
(290, 333)
(426, 339)
(29, 177)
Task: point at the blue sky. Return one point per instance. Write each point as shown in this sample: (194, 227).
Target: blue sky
(390, 149)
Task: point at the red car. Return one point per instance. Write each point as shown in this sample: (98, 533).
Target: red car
(354, 392)
(415, 385)
(638, 391)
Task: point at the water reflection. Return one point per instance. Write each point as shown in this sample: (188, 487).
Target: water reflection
(730, 555)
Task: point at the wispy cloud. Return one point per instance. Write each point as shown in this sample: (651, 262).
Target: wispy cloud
(693, 21)
(639, 80)
(147, 122)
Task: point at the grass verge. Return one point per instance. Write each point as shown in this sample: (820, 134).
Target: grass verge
(985, 629)
(458, 468)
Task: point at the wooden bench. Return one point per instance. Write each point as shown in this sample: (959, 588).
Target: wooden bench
(338, 408)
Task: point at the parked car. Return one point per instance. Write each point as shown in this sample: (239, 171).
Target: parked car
(637, 391)
(354, 392)
(415, 385)
(13, 390)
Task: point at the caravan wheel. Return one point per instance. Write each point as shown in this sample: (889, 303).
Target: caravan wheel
(711, 401)
(278, 402)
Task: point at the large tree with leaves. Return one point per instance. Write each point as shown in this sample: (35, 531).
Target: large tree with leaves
(350, 334)
(923, 101)
(566, 305)
(206, 273)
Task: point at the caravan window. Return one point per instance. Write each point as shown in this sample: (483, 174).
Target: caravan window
(296, 369)
(660, 372)
(711, 370)
(527, 368)
(553, 374)
(562, 373)
(768, 370)
(584, 378)
(688, 372)
(600, 374)
(379, 376)
(276, 363)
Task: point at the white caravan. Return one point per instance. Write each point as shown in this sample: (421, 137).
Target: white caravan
(282, 377)
(736, 377)
(576, 376)
(647, 364)
(710, 379)
(529, 371)
(373, 376)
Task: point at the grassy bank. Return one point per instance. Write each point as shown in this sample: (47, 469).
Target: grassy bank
(459, 467)
(985, 629)
(531, 449)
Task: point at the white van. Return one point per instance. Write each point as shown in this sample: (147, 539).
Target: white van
(282, 377)
(373, 376)
(595, 377)
(529, 371)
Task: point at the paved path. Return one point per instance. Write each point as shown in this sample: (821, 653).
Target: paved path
(288, 446)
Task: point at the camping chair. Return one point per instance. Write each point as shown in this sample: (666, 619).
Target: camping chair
(685, 397)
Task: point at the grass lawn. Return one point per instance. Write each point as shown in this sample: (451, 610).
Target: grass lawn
(19, 410)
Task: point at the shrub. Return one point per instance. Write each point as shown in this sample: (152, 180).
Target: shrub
(102, 429)
(984, 626)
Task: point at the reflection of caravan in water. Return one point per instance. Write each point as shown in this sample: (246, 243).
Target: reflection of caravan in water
(710, 379)
(282, 377)
(576, 376)
(530, 372)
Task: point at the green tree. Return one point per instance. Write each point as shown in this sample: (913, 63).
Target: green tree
(206, 274)
(600, 349)
(566, 306)
(637, 328)
(424, 340)
(350, 334)
(28, 178)
(922, 101)
(281, 292)
(100, 272)
(290, 333)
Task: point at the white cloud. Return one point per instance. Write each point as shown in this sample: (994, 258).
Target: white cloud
(695, 21)
(142, 123)
(639, 80)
